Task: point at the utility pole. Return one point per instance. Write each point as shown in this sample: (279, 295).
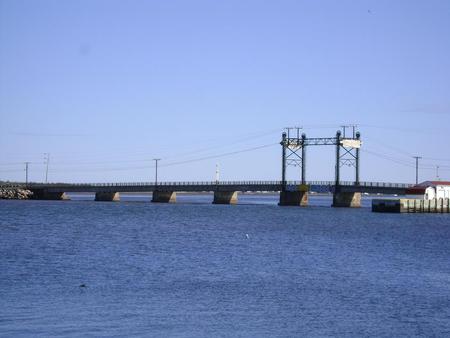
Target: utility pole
(156, 170)
(437, 173)
(47, 160)
(417, 168)
(26, 173)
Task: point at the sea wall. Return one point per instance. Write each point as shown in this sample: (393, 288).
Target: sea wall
(15, 194)
(440, 205)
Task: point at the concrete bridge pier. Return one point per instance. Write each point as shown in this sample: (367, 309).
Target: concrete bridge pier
(107, 196)
(164, 196)
(225, 197)
(346, 199)
(293, 198)
(43, 194)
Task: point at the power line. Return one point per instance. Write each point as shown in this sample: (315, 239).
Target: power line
(403, 162)
(11, 170)
(214, 143)
(398, 129)
(436, 159)
(221, 155)
(389, 146)
(168, 164)
(17, 163)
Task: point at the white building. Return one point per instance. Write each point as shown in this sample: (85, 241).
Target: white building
(432, 189)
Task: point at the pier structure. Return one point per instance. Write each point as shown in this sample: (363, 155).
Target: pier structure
(107, 196)
(411, 205)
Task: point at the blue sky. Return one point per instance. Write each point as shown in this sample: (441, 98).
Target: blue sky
(105, 86)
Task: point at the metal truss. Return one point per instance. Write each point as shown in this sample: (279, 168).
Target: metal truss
(294, 152)
(321, 141)
(348, 158)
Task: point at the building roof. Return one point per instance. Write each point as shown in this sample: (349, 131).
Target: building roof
(416, 190)
(433, 183)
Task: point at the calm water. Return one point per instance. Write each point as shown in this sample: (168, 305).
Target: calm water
(194, 269)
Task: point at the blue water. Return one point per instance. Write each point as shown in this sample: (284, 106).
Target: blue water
(193, 269)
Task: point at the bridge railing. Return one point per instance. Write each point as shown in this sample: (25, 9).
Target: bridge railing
(364, 184)
(178, 183)
(203, 183)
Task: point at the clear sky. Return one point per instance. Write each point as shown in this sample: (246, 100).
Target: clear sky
(106, 86)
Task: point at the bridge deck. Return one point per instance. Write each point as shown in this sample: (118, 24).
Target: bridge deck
(242, 186)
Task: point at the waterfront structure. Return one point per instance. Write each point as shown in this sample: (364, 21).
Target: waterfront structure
(224, 192)
(294, 154)
(412, 205)
(292, 193)
(430, 190)
(431, 197)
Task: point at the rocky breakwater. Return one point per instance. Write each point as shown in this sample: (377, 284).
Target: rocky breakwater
(15, 194)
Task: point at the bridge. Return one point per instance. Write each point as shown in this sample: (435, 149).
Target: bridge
(293, 193)
(224, 192)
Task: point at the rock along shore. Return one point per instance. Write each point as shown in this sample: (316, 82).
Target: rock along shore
(15, 194)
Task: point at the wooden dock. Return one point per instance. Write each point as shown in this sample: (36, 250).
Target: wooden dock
(411, 205)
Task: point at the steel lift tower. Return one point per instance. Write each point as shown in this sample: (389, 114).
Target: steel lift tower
(294, 154)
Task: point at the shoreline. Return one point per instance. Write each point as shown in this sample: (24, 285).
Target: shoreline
(15, 194)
